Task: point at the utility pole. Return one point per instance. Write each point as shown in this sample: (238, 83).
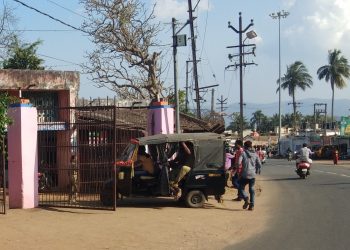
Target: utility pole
(222, 102)
(178, 40)
(176, 87)
(206, 87)
(315, 115)
(194, 59)
(187, 87)
(186, 104)
(321, 111)
(212, 100)
(295, 106)
(241, 45)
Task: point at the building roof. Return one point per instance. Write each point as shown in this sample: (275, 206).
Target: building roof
(136, 118)
(163, 138)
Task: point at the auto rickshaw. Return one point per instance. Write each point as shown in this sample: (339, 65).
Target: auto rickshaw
(206, 177)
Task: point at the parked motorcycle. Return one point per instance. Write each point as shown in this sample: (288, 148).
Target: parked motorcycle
(303, 169)
(43, 181)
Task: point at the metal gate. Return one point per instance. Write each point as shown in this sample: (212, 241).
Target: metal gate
(76, 155)
(3, 178)
(77, 149)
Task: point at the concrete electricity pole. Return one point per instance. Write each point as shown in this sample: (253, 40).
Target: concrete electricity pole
(194, 59)
(321, 111)
(241, 45)
(222, 102)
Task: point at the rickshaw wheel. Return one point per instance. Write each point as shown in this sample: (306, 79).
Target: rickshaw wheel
(195, 199)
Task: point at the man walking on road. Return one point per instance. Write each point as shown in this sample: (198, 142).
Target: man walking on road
(250, 162)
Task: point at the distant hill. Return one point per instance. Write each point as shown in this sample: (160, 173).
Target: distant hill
(306, 107)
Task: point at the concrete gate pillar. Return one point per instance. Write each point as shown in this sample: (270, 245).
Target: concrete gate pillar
(22, 156)
(160, 118)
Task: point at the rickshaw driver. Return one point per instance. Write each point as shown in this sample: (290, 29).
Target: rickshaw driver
(144, 160)
(184, 160)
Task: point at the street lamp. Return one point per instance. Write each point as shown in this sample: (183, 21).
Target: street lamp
(251, 34)
(278, 15)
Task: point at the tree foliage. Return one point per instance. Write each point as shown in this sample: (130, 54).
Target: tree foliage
(23, 56)
(297, 76)
(235, 124)
(124, 59)
(182, 100)
(257, 119)
(267, 124)
(336, 71)
(5, 101)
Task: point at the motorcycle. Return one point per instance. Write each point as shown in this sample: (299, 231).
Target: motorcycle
(43, 181)
(290, 156)
(303, 169)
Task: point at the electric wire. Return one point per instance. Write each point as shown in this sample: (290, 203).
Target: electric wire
(196, 5)
(33, 30)
(66, 9)
(62, 60)
(205, 29)
(49, 16)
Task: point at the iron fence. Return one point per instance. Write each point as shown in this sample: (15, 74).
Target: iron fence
(3, 177)
(77, 152)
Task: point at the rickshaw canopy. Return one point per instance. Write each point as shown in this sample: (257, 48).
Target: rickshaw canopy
(208, 147)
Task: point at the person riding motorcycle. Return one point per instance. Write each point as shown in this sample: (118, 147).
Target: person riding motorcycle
(304, 156)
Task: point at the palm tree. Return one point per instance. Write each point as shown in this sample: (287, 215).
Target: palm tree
(257, 119)
(335, 72)
(297, 76)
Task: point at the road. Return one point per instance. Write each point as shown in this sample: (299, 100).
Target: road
(307, 214)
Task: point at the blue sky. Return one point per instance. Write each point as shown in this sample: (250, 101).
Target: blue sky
(312, 28)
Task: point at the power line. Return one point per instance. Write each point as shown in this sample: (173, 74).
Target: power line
(49, 16)
(41, 30)
(62, 60)
(205, 29)
(66, 8)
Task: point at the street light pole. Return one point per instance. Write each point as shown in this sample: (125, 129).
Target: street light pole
(177, 41)
(278, 15)
(176, 86)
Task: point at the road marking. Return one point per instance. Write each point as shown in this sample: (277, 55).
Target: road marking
(326, 172)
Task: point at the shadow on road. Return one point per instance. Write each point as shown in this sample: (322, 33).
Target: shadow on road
(71, 210)
(163, 203)
(282, 179)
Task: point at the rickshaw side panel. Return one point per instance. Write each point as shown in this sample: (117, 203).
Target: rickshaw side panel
(211, 181)
(124, 180)
(209, 154)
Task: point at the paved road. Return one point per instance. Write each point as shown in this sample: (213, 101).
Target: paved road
(308, 214)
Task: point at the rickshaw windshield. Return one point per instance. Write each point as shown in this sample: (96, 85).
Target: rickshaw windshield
(128, 152)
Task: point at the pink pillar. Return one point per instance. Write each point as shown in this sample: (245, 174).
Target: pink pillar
(160, 119)
(22, 157)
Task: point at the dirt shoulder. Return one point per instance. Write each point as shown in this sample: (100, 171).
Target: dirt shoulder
(156, 224)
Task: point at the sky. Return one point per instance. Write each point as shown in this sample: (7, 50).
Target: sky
(312, 28)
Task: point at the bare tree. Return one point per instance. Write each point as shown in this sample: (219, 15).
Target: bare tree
(7, 21)
(124, 59)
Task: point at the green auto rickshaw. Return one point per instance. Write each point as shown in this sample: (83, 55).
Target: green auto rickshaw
(206, 176)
